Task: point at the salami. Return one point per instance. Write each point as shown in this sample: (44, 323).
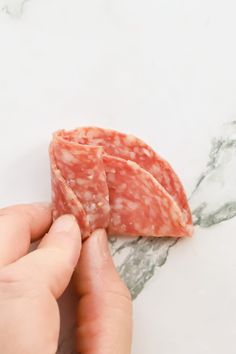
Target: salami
(115, 181)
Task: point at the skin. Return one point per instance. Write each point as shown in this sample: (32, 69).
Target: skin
(31, 283)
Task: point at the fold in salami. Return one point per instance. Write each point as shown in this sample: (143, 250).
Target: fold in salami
(115, 181)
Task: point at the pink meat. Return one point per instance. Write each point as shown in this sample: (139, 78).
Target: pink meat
(120, 183)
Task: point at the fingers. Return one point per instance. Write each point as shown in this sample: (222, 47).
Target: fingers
(19, 225)
(53, 263)
(104, 310)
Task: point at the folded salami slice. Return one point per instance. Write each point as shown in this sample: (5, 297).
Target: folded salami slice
(115, 181)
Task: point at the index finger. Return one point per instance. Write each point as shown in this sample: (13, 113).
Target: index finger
(19, 225)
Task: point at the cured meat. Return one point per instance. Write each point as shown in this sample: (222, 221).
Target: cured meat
(139, 202)
(115, 181)
(81, 169)
(64, 199)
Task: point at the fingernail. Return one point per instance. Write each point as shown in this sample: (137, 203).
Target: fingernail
(100, 243)
(64, 224)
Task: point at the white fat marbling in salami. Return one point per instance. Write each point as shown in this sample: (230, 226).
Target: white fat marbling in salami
(115, 181)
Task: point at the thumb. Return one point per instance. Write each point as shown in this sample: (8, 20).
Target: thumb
(105, 308)
(51, 265)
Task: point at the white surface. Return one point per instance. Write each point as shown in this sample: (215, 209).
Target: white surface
(190, 306)
(163, 70)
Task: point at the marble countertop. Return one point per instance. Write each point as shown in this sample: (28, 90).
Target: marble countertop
(164, 71)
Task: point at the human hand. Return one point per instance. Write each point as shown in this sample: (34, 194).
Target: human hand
(104, 313)
(30, 285)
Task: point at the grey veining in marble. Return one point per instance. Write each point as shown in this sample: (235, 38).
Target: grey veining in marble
(138, 259)
(12, 7)
(214, 197)
(212, 201)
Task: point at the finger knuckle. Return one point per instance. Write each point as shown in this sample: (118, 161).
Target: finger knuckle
(13, 285)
